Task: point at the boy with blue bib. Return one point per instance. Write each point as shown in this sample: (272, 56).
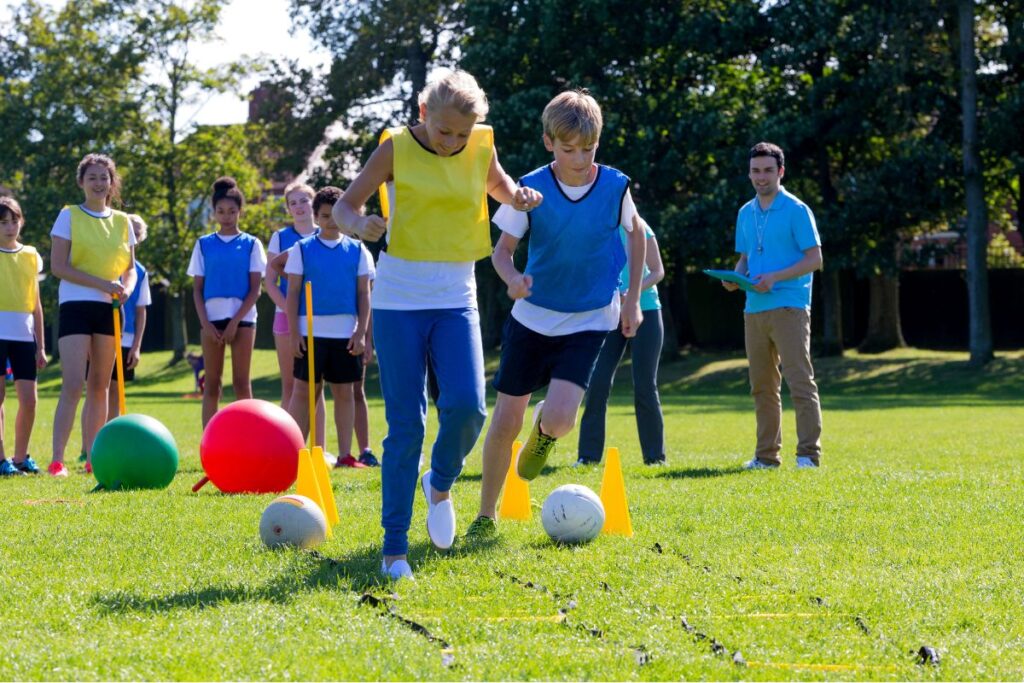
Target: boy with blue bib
(339, 269)
(779, 248)
(568, 298)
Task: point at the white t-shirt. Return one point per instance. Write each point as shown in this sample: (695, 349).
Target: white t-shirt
(224, 308)
(403, 285)
(274, 249)
(556, 323)
(145, 299)
(69, 291)
(16, 325)
(342, 325)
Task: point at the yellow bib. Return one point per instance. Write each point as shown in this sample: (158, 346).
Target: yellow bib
(440, 211)
(18, 284)
(99, 246)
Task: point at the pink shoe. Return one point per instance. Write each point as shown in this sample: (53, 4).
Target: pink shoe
(57, 469)
(348, 461)
(88, 468)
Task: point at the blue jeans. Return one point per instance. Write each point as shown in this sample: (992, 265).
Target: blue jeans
(404, 340)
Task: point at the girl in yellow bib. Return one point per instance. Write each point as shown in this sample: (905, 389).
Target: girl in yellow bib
(434, 179)
(21, 333)
(94, 257)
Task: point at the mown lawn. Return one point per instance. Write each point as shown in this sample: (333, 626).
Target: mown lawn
(909, 536)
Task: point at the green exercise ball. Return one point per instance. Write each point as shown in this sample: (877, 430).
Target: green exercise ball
(134, 452)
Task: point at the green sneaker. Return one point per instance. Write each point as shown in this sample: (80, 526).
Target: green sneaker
(482, 528)
(535, 451)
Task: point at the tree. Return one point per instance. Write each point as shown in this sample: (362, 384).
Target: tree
(977, 214)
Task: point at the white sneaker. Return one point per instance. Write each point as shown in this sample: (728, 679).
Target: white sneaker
(536, 412)
(440, 517)
(805, 462)
(755, 464)
(399, 569)
(330, 460)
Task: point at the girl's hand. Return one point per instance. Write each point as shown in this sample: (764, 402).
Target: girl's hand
(370, 228)
(298, 346)
(356, 345)
(526, 199)
(41, 359)
(213, 332)
(133, 358)
(230, 331)
(368, 354)
(114, 288)
(519, 286)
(630, 317)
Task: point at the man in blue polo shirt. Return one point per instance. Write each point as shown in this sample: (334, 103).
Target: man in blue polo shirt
(779, 249)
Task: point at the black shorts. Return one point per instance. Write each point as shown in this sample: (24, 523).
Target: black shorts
(22, 357)
(223, 324)
(129, 374)
(530, 360)
(332, 362)
(86, 317)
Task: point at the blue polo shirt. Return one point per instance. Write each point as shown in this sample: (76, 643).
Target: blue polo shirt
(786, 233)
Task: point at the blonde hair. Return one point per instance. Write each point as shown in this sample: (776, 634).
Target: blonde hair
(299, 187)
(459, 90)
(139, 225)
(573, 113)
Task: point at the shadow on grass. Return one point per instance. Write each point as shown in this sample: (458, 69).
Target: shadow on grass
(699, 472)
(358, 571)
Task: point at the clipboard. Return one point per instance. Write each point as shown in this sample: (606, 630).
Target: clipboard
(745, 283)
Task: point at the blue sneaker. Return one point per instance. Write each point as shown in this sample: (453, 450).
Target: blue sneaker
(369, 459)
(9, 470)
(27, 466)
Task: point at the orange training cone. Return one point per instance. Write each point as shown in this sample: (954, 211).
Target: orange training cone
(306, 484)
(613, 497)
(515, 500)
(323, 479)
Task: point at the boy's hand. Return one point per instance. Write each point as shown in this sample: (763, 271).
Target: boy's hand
(356, 345)
(230, 331)
(631, 317)
(370, 228)
(730, 286)
(519, 286)
(41, 359)
(133, 358)
(526, 199)
(368, 354)
(298, 346)
(764, 282)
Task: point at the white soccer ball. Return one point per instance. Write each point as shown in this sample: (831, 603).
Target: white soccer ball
(572, 514)
(293, 520)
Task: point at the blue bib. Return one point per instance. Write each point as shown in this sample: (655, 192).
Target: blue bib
(129, 306)
(575, 253)
(287, 237)
(334, 272)
(226, 265)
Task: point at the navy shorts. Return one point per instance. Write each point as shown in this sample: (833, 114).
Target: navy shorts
(530, 360)
(331, 362)
(86, 317)
(22, 357)
(223, 324)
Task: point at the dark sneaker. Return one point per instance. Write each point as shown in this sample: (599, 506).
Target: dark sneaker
(28, 465)
(536, 450)
(659, 462)
(482, 528)
(9, 470)
(369, 459)
(82, 457)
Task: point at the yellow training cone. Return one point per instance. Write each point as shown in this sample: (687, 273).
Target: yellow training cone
(515, 500)
(323, 478)
(306, 484)
(613, 497)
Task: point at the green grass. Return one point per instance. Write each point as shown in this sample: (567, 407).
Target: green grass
(909, 535)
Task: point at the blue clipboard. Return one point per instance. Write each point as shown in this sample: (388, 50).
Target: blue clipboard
(745, 283)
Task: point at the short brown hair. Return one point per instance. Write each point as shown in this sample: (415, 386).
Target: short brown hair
(571, 114)
(326, 195)
(767, 149)
(9, 207)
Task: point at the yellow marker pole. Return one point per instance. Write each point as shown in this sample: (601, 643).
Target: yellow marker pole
(322, 475)
(309, 357)
(118, 361)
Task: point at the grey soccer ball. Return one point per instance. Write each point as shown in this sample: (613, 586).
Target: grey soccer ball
(293, 520)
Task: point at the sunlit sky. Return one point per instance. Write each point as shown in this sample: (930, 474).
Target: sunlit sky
(247, 27)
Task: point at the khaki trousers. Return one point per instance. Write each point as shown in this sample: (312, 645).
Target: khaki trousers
(782, 335)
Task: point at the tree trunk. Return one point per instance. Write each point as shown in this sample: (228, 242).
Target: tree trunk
(831, 295)
(179, 330)
(884, 329)
(977, 213)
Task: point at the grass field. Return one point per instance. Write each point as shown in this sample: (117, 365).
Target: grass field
(909, 536)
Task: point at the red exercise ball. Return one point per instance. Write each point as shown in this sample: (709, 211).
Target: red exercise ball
(251, 446)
